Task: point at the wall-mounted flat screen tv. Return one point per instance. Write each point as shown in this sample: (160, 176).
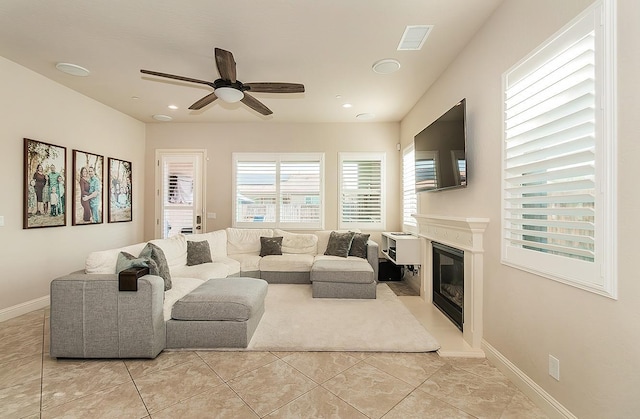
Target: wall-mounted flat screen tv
(441, 152)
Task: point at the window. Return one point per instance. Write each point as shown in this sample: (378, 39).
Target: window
(558, 165)
(278, 190)
(361, 183)
(409, 197)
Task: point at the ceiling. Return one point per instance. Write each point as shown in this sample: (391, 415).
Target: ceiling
(328, 45)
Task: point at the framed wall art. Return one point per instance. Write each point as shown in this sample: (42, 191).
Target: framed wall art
(44, 184)
(120, 192)
(88, 170)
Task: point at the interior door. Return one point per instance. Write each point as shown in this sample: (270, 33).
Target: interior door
(179, 192)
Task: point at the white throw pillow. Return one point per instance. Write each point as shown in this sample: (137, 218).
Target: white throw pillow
(104, 261)
(245, 240)
(297, 243)
(174, 249)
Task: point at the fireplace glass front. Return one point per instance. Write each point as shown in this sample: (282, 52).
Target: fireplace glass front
(448, 282)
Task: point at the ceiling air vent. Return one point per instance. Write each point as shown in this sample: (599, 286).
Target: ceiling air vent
(413, 37)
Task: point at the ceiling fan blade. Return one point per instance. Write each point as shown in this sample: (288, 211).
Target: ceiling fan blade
(226, 64)
(171, 76)
(255, 104)
(203, 102)
(268, 87)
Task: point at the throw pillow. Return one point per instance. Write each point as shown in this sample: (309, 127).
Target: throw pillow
(127, 260)
(339, 244)
(157, 263)
(198, 253)
(270, 246)
(359, 245)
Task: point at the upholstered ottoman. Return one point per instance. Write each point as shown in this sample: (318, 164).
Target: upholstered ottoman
(220, 313)
(339, 278)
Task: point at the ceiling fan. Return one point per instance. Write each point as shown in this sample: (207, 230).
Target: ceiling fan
(231, 90)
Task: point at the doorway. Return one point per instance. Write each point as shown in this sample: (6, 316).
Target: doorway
(180, 186)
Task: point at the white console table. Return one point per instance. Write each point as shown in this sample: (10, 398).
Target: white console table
(401, 248)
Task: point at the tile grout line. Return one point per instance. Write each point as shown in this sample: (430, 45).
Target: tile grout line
(225, 383)
(137, 389)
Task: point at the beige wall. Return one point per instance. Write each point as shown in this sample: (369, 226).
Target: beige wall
(38, 108)
(527, 317)
(221, 140)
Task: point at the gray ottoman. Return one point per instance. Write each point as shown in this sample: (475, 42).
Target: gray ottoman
(333, 278)
(221, 313)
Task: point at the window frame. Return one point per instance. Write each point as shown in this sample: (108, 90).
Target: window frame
(278, 159)
(600, 275)
(363, 157)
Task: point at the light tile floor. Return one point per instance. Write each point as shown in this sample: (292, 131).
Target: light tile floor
(209, 384)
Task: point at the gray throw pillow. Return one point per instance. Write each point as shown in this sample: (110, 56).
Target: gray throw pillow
(339, 244)
(127, 260)
(157, 263)
(359, 245)
(198, 253)
(270, 246)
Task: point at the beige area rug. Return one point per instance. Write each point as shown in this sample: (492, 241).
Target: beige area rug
(294, 321)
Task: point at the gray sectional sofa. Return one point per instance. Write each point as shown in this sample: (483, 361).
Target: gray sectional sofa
(214, 300)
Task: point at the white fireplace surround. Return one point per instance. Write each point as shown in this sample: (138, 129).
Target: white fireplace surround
(465, 234)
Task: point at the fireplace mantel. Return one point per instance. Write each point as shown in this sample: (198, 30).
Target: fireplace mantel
(465, 234)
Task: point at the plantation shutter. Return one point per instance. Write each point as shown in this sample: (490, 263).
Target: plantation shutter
(300, 193)
(361, 192)
(178, 211)
(559, 160)
(256, 191)
(278, 190)
(550, 154)
(409, 197)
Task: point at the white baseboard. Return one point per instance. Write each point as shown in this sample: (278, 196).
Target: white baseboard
(530, 388)
(23, 308)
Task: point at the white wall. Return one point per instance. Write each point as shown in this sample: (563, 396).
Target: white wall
(38, 108)
(221, 140)
(527, 317)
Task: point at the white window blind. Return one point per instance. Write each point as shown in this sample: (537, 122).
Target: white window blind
(553, 206)
(362, 191)
(409, 197)
(256, 192)
(278, 190)
(178, 196)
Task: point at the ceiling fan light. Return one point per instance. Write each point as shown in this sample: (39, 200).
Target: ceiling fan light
(229, 94)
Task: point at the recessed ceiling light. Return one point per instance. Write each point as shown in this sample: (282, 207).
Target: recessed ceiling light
(172, 107)
(386, 66)
(73, 69)
(347, 105)
(365, 116)
(135, 97)
(163, 118)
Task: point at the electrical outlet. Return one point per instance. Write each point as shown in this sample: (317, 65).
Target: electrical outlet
(554, 367)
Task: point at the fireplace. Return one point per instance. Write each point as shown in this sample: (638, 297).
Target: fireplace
(465, 234)
(448, 281)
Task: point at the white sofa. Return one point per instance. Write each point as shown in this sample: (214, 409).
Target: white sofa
(90, 318)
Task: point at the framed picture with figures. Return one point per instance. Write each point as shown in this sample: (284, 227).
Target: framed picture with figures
(88, 170)
(120, 191)
(45, 170)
